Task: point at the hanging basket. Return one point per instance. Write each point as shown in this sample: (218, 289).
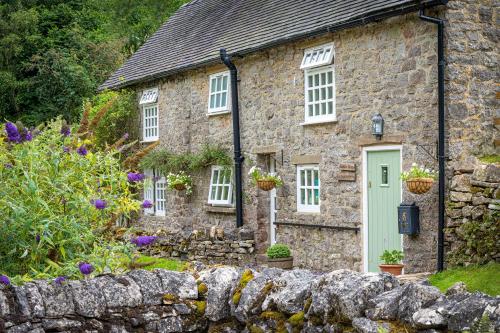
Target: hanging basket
(419, 185)
(266, 185)
(180, 187)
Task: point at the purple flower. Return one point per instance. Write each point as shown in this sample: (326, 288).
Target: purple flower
(143, 240)
(8, 165)
(4, 280)
(147, 204)
(60, 279)
(99, 204)
(65, 130)
(135, 177)
(66, 149)
(37, 238)
(28, 136)
(85, 268)
(12, 132)
(82, 150)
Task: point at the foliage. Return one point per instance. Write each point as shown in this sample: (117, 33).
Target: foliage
(257, 174)
(418, 172)
(176, 179)
(482, 278)
(278, 251)
(392, 257)
(480, 241)
(491, 159)
(150, 263)
(54, 54)
(482, 325)
(49, 202)
(166, 162)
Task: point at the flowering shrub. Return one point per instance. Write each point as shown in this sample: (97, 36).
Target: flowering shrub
(57, 199)
(176, 179)
(257, 174)
(418, 172)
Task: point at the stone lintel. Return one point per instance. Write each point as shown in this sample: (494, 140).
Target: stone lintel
(306, 159)
(370, 140)
(222, 210)
(263, 150)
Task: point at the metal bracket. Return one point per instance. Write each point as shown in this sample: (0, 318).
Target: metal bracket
(430, 150)
(273, 156)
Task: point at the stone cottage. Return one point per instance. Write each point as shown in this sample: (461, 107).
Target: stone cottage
(311, 75)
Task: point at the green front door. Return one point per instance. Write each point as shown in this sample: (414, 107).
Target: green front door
(384, 195)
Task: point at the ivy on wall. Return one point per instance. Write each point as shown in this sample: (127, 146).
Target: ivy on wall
(165, 161)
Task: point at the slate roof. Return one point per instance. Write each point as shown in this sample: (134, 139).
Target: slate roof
(193, 36)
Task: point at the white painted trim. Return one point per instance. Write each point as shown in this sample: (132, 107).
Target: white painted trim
(223, 109)
(324, 62)
(364, 230)
(215, 202)
(157, 127)
(320, 118)
(308, 208)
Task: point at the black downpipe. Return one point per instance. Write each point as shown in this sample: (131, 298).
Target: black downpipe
(238, 158)
(441, 129)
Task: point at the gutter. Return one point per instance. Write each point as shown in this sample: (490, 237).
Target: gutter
(441, 135)
(350, 23)
(235, 113)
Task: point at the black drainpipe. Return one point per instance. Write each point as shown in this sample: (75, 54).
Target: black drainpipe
(441, 122)
(238, 158)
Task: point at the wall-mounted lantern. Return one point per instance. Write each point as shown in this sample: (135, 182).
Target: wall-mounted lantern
(378, 126)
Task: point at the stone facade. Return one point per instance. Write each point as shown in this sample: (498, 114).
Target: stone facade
(229, 299)
(387, 67)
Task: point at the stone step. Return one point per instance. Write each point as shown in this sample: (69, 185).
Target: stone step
(415, 277)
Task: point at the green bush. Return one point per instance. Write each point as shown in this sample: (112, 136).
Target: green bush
(278, 251)
(392, 257)
(49, 204)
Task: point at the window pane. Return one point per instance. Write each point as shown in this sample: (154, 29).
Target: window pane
(316, 196)
(212, 192)
(316, 109)
(302, 178)
(330, 77)
(327, 54)
(316, 80)
(309, 95)
(314, 56)
(323, 93)
(219, 83)
(310, 110)
(316, 94)
(223, 99)
(213, 85)
(225, 194)
(310, 81)
(330, 92)
(303, 196)
(217, 100)
(323, 78)
(316, 178)
(222, 177)
(224, 82)
(323, 108)
(330, 107)
(309, 196)
(307, 58)
(212, 101)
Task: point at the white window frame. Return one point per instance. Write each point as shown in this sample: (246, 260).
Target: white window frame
(306, 208)
(229, 200)
(150, 123)
(155, 190)
(220, 109)
(319, 118)
(149, 96)
(318, 56)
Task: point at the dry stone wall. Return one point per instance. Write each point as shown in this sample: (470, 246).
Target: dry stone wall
(230, 299)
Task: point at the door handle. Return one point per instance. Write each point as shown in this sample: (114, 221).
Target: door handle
(369, 184)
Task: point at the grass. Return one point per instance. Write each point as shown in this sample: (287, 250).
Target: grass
(150, 263)
(477, 278)
(490, 159)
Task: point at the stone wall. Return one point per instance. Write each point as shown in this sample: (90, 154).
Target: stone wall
(228, 299)
(474, 215)
(212, 246)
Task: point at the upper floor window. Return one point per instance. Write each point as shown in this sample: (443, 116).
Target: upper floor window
(221, 187)
(218, 100)
(148, 102)
(317, 56)
(155, 192)
(319, 84)
(308, 188)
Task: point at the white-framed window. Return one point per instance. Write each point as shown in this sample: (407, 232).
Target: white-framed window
(317, 56)
(308, 188)
(319, 86)
(155, 191)
(218, 99)
(221, 186)
(148, 102)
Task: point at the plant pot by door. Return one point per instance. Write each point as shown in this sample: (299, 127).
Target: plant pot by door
(419, 185)
(283, 263)
(393, 269)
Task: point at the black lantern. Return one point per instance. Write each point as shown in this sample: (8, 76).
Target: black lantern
(378, 126)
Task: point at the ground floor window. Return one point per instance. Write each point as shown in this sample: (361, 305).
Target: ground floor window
(221, 187)
(308, 188)
(154, 191)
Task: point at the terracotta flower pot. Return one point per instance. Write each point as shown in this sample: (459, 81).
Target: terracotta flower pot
(266, 185)
(396, 269)
(180, 187)
(283, 263)
(419, 185)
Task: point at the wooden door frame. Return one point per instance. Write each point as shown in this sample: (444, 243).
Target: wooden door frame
(365, 193)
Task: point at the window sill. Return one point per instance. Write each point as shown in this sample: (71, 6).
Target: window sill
(307, 213)
(149, 141)
(319, 122)
(218, 113)
(220, 209)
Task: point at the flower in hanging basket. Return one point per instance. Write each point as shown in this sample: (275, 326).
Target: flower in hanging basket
(180, 182)
(266, 181)
(419, 179)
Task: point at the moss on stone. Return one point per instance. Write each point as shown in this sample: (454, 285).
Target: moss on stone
(201, 306)
(236, 297)
(307, 304)
(272, 315)
(246, 277)
(297, 319)
(202, 289)
(255, 329)
(170, 299)
(490, 159)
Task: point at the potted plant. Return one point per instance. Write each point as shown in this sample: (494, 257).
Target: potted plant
(264, 180)
(180, 182)
(418, 179)
(279, 256)
(392, 262)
